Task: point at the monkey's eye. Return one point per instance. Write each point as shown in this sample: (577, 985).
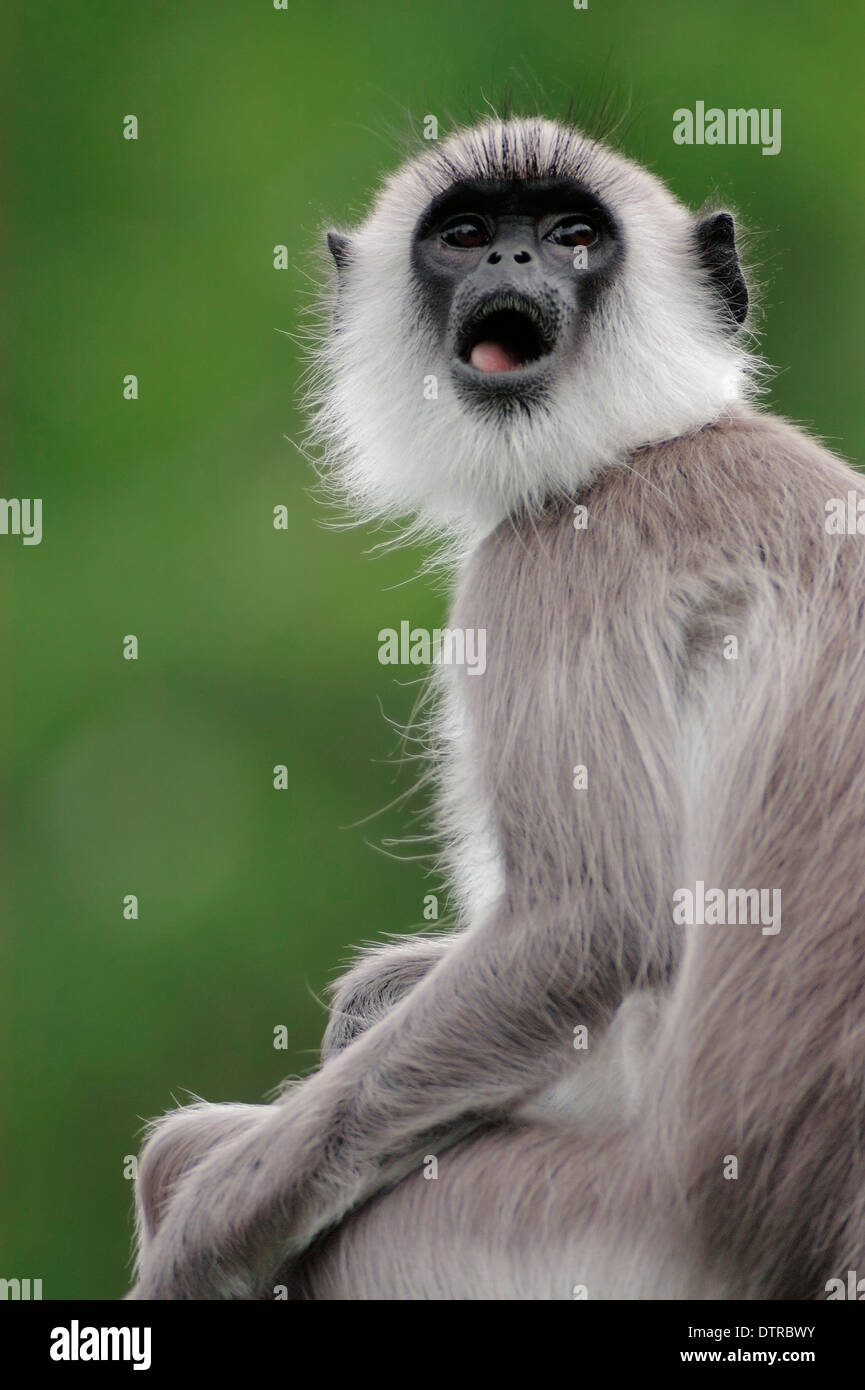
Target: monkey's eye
(573, 231)
(465, 232)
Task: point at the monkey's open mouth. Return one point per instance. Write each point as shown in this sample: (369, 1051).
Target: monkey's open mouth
(504, 335)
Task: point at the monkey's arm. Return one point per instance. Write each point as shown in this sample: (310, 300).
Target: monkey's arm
(583, 915)
(488, 1025)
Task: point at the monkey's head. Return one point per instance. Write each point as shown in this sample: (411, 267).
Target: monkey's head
(521, 307)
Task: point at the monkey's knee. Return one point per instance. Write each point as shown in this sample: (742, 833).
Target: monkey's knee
(372, 987)
(357, 1005)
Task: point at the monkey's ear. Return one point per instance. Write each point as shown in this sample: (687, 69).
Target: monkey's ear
(716, 245)
(339, 246)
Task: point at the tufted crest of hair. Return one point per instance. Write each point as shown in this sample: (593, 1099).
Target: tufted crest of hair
(656, 358)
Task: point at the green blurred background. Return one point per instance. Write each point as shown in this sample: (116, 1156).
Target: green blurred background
(258, 646)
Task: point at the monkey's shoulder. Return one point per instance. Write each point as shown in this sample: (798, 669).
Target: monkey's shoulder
(748, 500)
(749, 475)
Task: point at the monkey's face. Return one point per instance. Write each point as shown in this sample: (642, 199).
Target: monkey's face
(509, 272)
(521, 308)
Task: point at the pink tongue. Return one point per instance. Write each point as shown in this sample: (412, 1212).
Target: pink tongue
(491, 357)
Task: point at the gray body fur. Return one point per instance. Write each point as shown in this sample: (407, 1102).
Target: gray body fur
(601, 1168)
(752, 1045)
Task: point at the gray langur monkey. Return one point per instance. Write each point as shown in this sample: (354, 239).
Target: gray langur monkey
(668, 609)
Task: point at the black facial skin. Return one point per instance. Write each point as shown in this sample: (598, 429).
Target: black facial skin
(494, 262)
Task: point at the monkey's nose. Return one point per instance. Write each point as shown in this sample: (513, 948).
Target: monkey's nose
(521, 257)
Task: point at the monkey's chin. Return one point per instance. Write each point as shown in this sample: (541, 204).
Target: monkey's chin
(520, 384)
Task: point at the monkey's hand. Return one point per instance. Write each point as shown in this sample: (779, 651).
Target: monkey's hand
(175, 1232)
(378, 980)
(175, 1145)
(224, 1229)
